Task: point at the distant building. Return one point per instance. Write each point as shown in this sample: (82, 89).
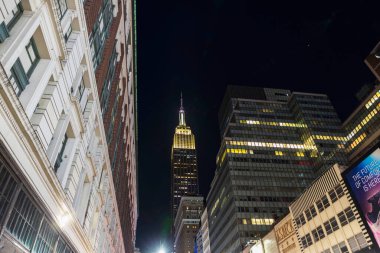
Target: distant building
(187, 224)
(184, 169)
(198, 241)
(274, 144)
(205, 232)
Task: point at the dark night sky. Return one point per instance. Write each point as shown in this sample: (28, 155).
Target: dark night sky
(200, 46)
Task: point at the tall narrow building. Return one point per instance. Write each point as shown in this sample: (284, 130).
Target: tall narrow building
(67, 158)
(111, 29)
(184, 171)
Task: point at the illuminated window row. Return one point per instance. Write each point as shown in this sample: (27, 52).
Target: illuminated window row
(329, 138)
(358, 140)
(269, 144)
(373, 99)
(255, 221)
(280, 153)
(362, 123)
(271, 123)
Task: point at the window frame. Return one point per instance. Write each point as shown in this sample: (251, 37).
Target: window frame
(59, 158)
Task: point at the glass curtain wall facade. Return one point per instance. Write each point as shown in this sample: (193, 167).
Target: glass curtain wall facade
(273, 146)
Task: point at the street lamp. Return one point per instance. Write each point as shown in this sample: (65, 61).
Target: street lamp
(161, 250)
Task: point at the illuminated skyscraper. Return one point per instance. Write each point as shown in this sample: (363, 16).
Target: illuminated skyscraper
(274, 144)
(184, 173)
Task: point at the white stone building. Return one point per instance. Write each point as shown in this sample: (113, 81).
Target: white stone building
(56, 186)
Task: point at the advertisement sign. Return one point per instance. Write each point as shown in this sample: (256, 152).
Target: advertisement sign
(363, 180)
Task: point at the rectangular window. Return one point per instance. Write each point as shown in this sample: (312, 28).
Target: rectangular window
(343, 247)
(334, 224)
(300, 220)
(339, 191)
(331, 225)
(46, 239)
(62, 8)
(62, 247)
(308, 215)
(320, 206)
(24, 221)
(68, 33)
(18, 78)
(318, 234)
(313, 211)
(10, 21)
(308, 240)
(303, 242)
(342, 218)
(333, 196)
(81, 89)
(7, 188)
(24, 66)
(33, 57)
(349, 214)
(108, 81)
(60, 154)
(3, 32)
(325, 202)
(327, 227)
(100, 32)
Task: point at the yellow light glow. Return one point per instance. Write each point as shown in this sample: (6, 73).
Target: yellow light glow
(183, 138)
(271, 123)
(270, 145)
(373, 99)
(256, 221)
(369, 116)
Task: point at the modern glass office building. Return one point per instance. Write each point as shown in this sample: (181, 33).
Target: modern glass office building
(274, 144)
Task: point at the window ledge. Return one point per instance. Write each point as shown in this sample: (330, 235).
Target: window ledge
(30, 97)
(19, 36)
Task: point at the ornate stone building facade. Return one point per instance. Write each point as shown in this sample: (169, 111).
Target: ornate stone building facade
(57, 187)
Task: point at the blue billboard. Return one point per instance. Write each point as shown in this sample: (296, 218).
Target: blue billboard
(363, 180)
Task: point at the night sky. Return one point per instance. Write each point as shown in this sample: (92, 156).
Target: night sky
(200, 46)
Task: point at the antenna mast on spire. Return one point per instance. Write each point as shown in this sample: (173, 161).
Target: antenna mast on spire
(181, 101)
(182, 114)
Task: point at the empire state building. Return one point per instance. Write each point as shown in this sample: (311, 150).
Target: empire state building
(184, 172)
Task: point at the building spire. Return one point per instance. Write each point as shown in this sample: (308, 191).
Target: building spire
(182, 114)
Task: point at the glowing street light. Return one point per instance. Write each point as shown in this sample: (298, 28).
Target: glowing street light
(161, 250)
